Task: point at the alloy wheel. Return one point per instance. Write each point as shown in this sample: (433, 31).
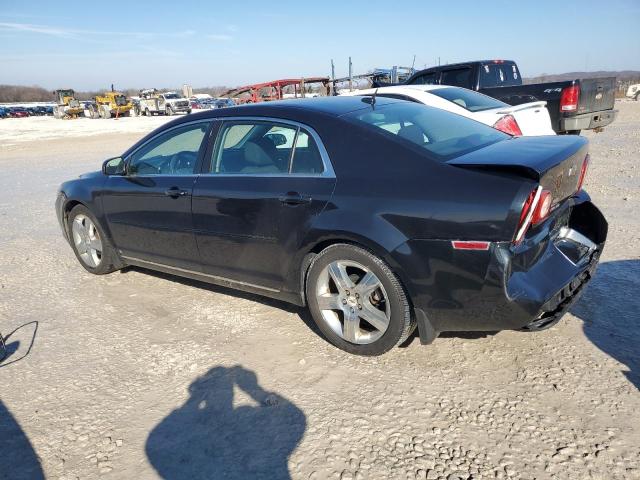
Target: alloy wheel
(353, 302)
(87, 240)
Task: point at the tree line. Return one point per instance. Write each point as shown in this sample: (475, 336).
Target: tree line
(20, 93)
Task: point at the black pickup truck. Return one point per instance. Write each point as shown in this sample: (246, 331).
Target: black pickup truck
(574, 105)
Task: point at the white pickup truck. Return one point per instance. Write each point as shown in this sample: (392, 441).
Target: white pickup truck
(153, 102)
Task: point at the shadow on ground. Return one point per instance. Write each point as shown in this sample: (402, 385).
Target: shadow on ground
(18, 460)
(208, 437)
(610, 309)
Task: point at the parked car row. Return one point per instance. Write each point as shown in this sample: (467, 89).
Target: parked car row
(211, 103)
(21, 112)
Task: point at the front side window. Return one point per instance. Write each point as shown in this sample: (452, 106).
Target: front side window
(468, 99)
(172, 153)
(442, 134)
(265, 148)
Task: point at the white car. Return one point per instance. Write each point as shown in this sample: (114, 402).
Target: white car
(528, 119)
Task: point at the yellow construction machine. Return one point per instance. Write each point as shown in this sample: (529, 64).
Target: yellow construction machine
(67, 106)
(110, 104)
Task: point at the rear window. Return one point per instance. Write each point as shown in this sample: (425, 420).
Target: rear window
(443, 134)
(499, 75)
(468, 99)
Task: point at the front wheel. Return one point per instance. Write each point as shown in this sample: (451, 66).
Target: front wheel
(357, 301)
(169, 111)
(91, 246)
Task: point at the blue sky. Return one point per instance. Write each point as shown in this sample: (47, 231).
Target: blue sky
(89, 45)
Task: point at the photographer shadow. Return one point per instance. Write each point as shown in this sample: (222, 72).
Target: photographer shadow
(209, 438)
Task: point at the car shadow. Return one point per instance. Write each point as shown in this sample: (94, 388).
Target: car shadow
(208, 437)
(12, 347)
(18, 460)
(610, 310)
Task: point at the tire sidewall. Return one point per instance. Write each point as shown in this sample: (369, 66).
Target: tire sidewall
(395, 296)
(108, 253)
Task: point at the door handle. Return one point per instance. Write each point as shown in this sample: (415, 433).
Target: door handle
(294, 198)
(175, 192)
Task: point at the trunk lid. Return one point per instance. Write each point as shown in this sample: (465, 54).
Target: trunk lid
(596, 94)
(533, 118)
(554, 162)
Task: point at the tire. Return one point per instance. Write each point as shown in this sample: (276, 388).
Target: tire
(637, 97)
(188, 111)
(107, 260)
(384, 294)
(169, 111)
(147, 113)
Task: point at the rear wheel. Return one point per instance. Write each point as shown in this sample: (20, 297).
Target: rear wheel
(91, 246)
(357, 301)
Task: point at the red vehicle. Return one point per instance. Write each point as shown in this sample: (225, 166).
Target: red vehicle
(268, 91)
(18, 112)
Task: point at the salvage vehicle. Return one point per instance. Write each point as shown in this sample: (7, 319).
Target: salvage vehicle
(521, 120)
(574, 105)
(110, 104)
(380, 216)
(153, 102)
(633, 92)
(67, 106)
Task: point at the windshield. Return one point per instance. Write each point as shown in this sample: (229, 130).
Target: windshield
(171, 95)
(468, 99)
(443, 134)
(121, 100)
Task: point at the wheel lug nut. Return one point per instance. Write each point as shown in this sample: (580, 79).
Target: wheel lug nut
(344, 301)
(357, 295)
(359, 307)
(347, 292)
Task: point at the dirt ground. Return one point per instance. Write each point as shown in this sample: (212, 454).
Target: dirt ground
(136, 375)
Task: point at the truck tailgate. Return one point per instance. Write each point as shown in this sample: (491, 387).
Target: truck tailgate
(596, 94)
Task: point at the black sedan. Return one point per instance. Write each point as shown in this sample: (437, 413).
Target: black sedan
(377, 214)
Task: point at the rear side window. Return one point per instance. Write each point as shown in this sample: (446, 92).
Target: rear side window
(425, 79)
(499, 75)
(259, 148)
(460, 77)
(442, 134)
(468, 99)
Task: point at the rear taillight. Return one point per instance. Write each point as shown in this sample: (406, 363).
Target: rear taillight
(543, 207)
(569, 98)
(536, 208)
(508, 124)
(583, 172)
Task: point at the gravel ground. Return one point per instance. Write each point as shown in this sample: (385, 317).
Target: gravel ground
(140, 375)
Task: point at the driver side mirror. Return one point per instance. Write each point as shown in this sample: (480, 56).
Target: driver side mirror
(113, 166)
